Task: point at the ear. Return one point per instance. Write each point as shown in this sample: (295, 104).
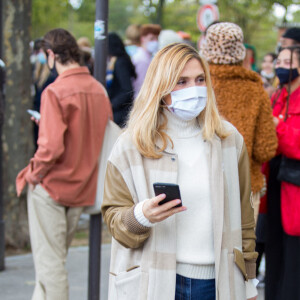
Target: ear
(50, 53)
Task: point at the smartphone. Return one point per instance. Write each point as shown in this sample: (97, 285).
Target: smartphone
(171, 191)
(34, 113)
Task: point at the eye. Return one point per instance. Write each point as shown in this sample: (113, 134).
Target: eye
(181, 82)
(200, 79)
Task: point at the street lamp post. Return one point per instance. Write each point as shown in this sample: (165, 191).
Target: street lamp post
(100, 34)
(2, 239)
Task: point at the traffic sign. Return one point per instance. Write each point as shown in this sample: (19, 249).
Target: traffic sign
(206, 15)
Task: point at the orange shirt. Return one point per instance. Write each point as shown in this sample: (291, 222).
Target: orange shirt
(74, 112)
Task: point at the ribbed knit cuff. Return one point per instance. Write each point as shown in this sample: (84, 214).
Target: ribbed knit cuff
(131, 223)
(139, 215)
(251, 268)
(196, 271)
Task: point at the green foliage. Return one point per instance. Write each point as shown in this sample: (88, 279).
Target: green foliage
(123, 13)
(185, 15)
(86, 13)
(255, 17)
(47, 15)
(296, 16)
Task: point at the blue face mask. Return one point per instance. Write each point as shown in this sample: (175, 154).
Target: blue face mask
(41, 58)
(284, 75)
(152, 47)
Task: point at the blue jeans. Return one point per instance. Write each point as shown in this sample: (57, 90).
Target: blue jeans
(194, 289)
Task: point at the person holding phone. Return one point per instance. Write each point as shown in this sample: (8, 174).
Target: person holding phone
(204, 249)
(62, 174)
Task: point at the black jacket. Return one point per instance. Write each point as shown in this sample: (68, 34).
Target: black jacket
(121, 90)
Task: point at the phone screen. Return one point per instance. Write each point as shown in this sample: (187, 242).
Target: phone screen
(171, 191)
(34, 113)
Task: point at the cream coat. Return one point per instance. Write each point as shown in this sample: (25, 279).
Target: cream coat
(143, 260)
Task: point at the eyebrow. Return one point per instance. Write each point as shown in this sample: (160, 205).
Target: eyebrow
(283, 59)
(186, 77)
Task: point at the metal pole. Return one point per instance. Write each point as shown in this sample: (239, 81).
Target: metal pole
(100, 33)
(2, 237)
(94, 257)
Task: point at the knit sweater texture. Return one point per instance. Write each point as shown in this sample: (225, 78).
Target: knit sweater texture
(195, 256)
(242, 101)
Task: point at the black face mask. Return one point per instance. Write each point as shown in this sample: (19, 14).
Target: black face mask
(53, 70)
(284, 75)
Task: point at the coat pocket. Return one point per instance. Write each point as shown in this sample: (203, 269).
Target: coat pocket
(240, 262)
(132, 284)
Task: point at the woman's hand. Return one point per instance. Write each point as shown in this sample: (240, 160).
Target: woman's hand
(157, 213)
(276, 121)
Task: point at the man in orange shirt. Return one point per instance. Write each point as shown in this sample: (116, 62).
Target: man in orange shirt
(62, 175)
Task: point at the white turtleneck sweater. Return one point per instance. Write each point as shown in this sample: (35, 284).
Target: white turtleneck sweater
(195, 247)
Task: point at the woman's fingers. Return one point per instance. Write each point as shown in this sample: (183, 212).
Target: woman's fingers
(157, 213)
(37, 122)
(168, 213)
(157, 199)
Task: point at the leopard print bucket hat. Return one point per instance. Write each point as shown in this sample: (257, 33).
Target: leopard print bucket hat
(224, 44)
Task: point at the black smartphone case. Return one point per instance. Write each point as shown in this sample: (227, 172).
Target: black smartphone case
(171, 190)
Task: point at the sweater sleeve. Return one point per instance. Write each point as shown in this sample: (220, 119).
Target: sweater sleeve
(247, 213)
(265, 141)
(118, 211)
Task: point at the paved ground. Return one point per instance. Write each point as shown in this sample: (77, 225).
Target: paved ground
(17, 281)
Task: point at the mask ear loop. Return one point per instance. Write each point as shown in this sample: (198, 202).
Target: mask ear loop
(164, 104)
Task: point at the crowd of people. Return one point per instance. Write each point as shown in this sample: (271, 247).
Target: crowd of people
(208, 120)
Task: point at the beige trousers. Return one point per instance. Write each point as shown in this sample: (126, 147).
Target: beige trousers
(256, 203)
(52, 227)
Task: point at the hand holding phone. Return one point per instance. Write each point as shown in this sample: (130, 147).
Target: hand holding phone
(171, 191)
(165, 204)
(34, 114)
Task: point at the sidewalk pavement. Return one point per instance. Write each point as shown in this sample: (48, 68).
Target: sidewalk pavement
(17, 280)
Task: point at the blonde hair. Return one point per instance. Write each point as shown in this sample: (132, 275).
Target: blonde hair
(41, 74)
(133, 34)
(147, 121)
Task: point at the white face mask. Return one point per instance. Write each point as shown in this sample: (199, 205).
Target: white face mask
(152, 46)
(188, 103)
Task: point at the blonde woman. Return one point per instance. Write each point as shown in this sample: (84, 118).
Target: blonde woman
(205, 248)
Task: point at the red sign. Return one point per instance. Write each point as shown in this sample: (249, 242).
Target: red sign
(207, 14)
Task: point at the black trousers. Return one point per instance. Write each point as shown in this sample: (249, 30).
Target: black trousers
(260, 239)
(282, 281)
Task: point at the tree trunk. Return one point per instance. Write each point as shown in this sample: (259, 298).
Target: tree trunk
(17, 141)
(160, 11)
